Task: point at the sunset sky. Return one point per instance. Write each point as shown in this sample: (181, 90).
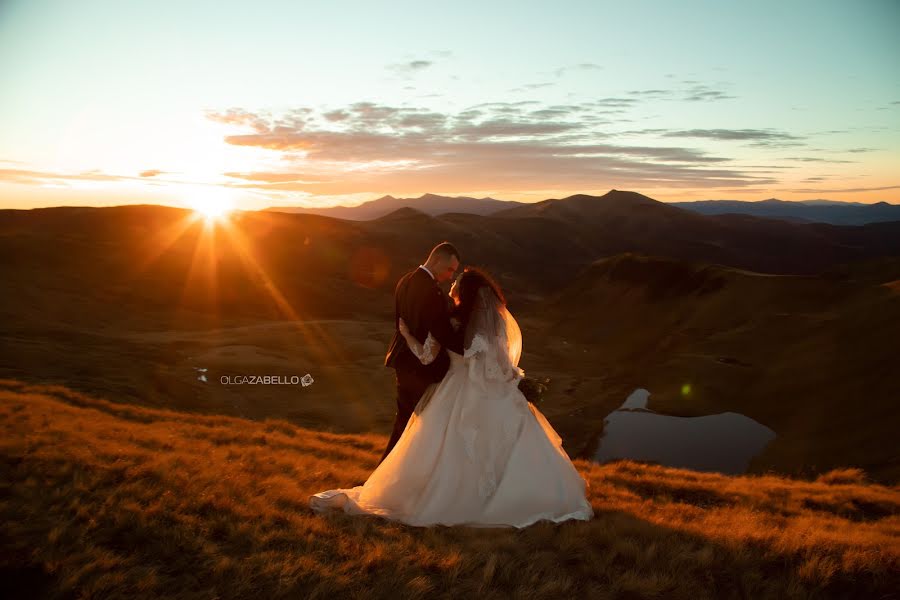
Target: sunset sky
(296, 103)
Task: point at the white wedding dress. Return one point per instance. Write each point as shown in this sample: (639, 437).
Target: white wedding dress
(475, 452)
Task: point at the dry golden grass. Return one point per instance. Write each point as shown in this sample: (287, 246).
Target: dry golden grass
(106, 500)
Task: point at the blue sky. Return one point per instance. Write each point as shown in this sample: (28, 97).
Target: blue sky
(317, 103)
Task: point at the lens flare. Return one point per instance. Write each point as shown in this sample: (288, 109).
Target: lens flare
(213, 203)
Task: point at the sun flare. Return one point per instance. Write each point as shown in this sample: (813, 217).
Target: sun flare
(211, 203)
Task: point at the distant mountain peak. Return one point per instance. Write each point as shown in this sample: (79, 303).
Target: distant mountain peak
(404, 212)
(586, 206)
(611, 197)
(614, 193)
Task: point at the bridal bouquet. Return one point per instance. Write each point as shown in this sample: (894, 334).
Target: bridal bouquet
(533, 388)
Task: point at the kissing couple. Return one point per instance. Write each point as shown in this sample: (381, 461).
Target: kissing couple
(467, 447)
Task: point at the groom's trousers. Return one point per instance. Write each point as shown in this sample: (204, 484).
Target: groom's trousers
(408, 395)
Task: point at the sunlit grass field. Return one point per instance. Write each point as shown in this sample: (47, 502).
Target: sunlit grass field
(106, 500)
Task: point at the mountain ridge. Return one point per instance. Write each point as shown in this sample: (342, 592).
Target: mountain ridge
(799, 211)
(812, 211)
(428, 203)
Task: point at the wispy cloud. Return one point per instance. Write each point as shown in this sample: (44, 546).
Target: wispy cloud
(734, 134)
(695, 91)
(409, 67)
(84, 178)
(498, 145)
(835, 191)
(702, 94)
(698, 91)
(270, 179)
(531, 86)
(585, 66)
(507, 127)
(754, 137)
(239, 116)
(42, 177)
(816, 159)
(650, 93)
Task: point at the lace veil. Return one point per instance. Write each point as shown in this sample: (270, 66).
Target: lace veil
(493, 340)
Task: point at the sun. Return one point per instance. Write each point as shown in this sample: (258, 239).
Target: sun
(212, 203)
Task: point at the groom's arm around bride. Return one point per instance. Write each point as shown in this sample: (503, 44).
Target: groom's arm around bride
(419, 300)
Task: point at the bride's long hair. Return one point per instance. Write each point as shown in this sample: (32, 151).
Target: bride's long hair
(467, 285)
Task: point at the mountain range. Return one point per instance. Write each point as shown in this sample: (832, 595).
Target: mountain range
(431, 204)
(802, 211)
(810, 211)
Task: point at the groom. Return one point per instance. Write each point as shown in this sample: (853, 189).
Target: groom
(419, 300)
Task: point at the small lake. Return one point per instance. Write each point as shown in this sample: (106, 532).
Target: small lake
(725, 442)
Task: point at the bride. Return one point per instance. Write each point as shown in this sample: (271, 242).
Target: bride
(475, 452)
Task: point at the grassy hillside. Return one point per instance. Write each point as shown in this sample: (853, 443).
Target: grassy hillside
(101, 499)
(810, 357)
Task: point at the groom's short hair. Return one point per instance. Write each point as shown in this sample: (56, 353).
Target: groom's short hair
(445, 250)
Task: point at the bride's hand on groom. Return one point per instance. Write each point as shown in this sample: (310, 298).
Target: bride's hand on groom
(403, 328)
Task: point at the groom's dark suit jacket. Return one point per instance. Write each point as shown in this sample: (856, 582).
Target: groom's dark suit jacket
(424, 308)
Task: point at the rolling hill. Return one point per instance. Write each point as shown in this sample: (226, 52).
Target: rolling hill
(807, 356)
(623, 221)
(105, 499)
